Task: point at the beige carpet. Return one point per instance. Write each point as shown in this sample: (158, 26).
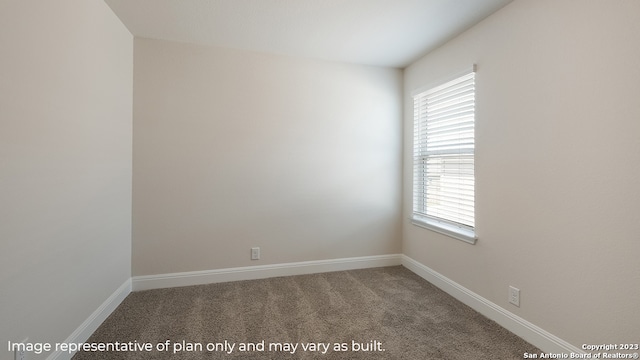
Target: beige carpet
(391, 312)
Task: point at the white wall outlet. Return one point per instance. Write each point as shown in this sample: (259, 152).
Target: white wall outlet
(514, 296)
(21, 354)
(255, 253)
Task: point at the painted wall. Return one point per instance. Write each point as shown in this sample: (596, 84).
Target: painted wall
(65, 165)
(235, 149)
(557, 154)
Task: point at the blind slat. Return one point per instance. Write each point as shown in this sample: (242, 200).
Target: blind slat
(444, 142)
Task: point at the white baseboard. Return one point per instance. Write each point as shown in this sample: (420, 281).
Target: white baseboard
(531, 333)
(84, 331)
(535, 335)
(148, 282)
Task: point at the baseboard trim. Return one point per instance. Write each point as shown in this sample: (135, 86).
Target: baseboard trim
(535, 335)
(84, 331)
(148, 282)
(531, 333)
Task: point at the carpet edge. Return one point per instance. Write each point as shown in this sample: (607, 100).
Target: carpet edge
(89, 326)
(531, 333)
(149, 282)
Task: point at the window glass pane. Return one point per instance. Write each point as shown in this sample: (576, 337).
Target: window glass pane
(444, 142)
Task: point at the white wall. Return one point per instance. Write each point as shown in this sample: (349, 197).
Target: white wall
(557, 154)
(234, 149)
(65, 165)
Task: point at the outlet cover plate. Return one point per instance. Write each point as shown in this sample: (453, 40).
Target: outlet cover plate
(21, 354)
(514, 296)
(255, 253)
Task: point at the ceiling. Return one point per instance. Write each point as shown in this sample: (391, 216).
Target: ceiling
(391, 33)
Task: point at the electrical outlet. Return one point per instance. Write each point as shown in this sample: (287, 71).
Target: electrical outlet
(21, 354)
(514, 296)
(255, 253)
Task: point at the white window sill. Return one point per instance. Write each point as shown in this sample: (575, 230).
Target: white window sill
(466, 235)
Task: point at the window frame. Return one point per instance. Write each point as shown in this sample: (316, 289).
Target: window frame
(420, 218)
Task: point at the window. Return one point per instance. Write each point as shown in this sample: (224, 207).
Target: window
(443, 158)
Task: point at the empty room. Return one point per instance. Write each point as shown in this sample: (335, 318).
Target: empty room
(319, 179)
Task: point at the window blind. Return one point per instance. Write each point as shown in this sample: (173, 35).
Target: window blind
(443, 153)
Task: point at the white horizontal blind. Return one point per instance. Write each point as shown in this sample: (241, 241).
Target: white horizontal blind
(443, 153)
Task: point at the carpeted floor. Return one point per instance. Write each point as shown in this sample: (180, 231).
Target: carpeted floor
(390, 312)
